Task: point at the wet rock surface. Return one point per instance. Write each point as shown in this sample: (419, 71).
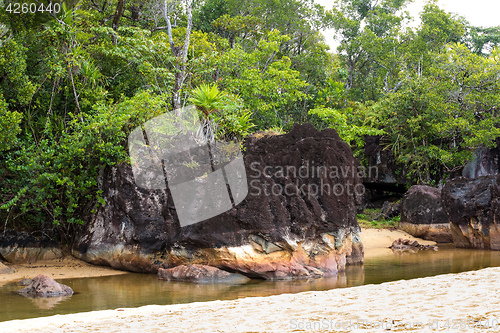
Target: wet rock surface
(406, 245)
(44, 286)
(200, 274)
(473, 207)
(423, 216)
(289, 225)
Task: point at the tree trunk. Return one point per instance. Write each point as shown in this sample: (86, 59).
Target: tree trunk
(181, 54)
(120, 7)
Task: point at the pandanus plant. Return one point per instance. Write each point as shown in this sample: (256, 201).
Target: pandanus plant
(208, 99)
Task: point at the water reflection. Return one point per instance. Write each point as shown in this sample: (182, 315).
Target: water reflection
(133, 290)
(47, 303)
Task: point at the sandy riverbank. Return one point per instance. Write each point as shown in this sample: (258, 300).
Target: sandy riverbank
(376, 242)
(470, 296)
(68, 267)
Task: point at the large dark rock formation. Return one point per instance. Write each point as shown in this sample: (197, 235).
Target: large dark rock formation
(21, 247)
(291, 224)
(383, 177)
(44, 286)
(422, 214)
(382, 166)
(473, 207)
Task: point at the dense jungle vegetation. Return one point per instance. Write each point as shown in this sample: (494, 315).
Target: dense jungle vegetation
(74, 84)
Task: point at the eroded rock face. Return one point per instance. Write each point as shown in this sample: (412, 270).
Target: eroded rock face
(422, 215)
(200, 274)
(44, 286)
(473, 207)
(290, 225)
(21, 247)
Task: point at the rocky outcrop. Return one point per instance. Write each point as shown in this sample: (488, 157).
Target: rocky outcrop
(297, 221)
(382, 167)
(422, 215)
(473, 208)
(44, 286)
(200, 274)
(21, 247)
(383, 178)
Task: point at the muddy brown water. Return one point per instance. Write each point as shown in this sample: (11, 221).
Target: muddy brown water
(134, 290)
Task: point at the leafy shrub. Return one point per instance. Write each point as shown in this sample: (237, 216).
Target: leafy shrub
(56, 178)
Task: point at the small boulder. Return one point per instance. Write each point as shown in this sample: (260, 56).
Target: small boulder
(200, 274)
(44, 286)
(5, 269)
(406, 245)
(423, 216)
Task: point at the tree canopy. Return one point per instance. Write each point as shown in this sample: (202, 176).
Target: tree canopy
(75, 83)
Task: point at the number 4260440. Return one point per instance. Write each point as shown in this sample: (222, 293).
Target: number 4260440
(32, 8)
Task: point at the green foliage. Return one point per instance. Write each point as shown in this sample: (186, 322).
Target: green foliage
(369, 32)
(263, 79)
(9, 126)
(233, 120)
(225, 109)
(15, 84)
(372, 218)
(58, 177)
(208, 98)
(482, 40)
(74, 86)
(439, 27)
(352, 122)
(437, 121)
(349, 124)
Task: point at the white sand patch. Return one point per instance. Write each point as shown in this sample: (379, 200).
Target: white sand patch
(469, 297)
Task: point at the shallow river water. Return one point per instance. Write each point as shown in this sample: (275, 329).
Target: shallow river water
(133, 290)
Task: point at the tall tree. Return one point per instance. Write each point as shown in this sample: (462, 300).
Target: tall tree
(436, 121)
(180, 52)
(357, 22)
